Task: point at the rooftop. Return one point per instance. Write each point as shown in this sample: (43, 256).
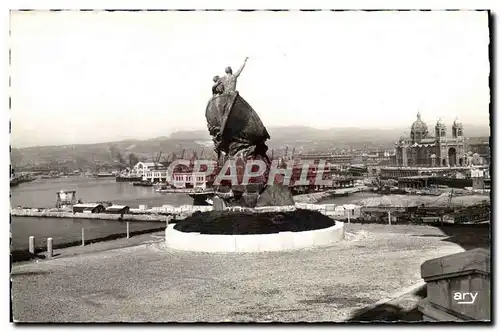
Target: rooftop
(87, 205)
(117, 207)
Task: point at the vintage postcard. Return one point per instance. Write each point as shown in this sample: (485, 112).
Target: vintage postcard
(243, 166)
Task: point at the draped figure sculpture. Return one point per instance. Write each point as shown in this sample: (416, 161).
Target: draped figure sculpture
(239, 134)
(236, 128)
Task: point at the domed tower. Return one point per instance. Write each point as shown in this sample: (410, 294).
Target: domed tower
(401, 153)
(457, 130)
(440, 129)
(418, 130)
(441, 151)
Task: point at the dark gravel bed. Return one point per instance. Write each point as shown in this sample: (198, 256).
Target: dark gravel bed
(239, 223)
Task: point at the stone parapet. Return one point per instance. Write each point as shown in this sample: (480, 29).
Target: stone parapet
(458, 287)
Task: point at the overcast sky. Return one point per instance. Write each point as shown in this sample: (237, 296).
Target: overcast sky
(81, 77)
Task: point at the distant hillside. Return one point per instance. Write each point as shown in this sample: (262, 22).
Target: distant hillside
(301, 138)
(195, 134)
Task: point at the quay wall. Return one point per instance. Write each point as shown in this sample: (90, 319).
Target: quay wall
(314, 198)
(162, 214)
(171, 213)
(97, 216)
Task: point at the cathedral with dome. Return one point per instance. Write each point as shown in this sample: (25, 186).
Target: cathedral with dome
(437, 149)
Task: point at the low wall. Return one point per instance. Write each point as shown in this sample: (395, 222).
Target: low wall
(95, 216)
(253, 243)
(458, 287)
(313, 197)
(24, 255)
(317, 197)
(160, 213)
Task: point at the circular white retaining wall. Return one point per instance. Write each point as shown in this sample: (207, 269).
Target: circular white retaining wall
(253, 243)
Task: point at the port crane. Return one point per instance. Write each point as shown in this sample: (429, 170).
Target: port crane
(193, 157)
(451, 196)
(157, 159)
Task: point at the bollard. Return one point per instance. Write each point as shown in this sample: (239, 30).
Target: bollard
(389, 216)
(348, 216)
(83, 237)
(32, 244)
(49, 248)
(128, 230)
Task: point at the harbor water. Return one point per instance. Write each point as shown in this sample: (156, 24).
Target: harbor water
(42, 193)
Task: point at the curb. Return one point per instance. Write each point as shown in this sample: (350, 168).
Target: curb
(272, 242)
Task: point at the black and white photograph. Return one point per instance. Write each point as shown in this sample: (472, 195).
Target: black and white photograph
(250, 166)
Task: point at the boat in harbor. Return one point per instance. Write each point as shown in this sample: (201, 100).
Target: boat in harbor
(143, 184)
(105, 175)
(173, 187)
(202, 196)
(16, 180)
(128, 178)
(50, 176)
(167, 188)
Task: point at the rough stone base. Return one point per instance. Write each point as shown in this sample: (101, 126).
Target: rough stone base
(275, 195)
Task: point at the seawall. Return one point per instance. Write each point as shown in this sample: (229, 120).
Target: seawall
(314, 198)
(96, 216)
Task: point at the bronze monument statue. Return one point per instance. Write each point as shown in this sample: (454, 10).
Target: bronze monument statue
(236, 128)
(239, 134)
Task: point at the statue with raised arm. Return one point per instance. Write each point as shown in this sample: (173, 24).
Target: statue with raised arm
(235, 127)
(229, 80)
(239, 134)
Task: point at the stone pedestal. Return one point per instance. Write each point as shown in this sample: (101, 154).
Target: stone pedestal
(458, 287)
(255, 191)
(219, 204)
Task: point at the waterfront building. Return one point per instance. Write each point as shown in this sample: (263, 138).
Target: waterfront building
(141, 168)
(392, 172)
(342, 182)
(424, 181)
(178, 179)
(117, 209)
(336, 159)
(190, 180)
(374, 158)
(88, 208)
(479, 150)
(156, 176)
(481, 179)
